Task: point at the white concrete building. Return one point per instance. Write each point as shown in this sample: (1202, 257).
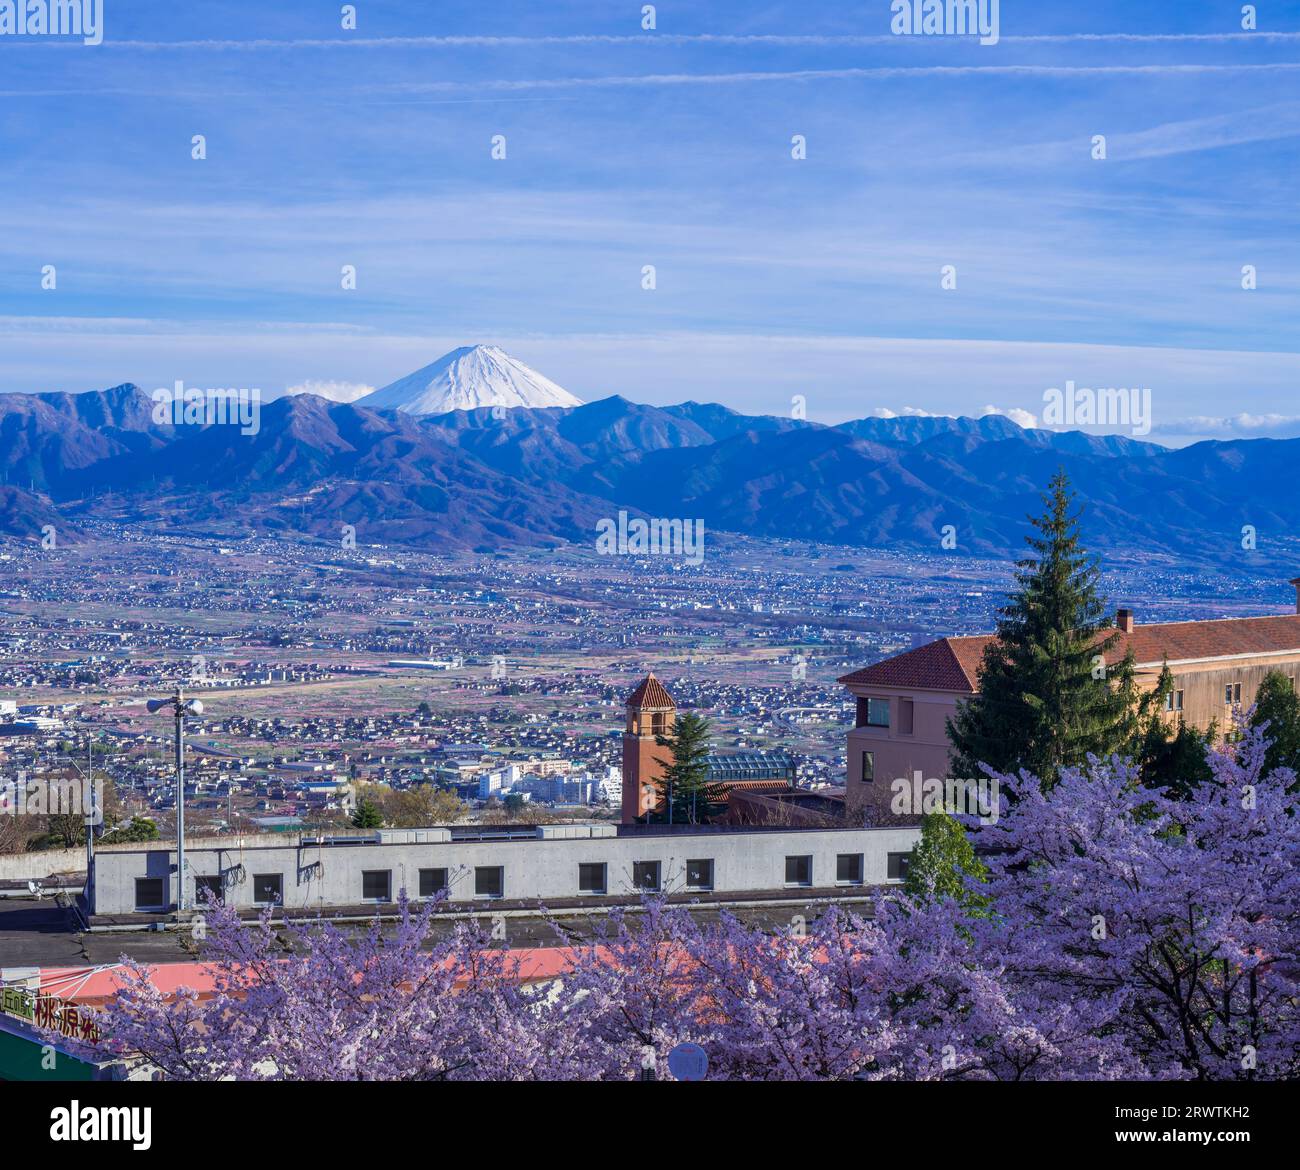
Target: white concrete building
(521, 864)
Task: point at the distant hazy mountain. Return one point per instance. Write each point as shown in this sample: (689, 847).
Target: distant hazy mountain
(334, 391)
(540, 475)
(549, 445)
(312, 466)
(470, 378)
(910, 430)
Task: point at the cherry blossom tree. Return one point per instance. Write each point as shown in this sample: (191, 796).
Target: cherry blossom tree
(1119, 933)
(315, 1002)
(1176, 920)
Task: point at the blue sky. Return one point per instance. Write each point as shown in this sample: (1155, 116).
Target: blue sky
(670, 148)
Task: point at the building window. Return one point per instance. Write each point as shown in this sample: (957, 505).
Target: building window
(699, 873)
(877, 712)
(207, 890)
(1236, 696)
(591, 877)
(906, 715)
(432, 882)
(1232, 693)
(868, 767)
(645, 875)
(798, 870)
(898, 863)
(848, 869)
(376, 885)
(268, 889)
(1174, 701)
(489, 881)
(149, 894)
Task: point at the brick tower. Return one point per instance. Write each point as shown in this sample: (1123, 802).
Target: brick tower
(650, 712)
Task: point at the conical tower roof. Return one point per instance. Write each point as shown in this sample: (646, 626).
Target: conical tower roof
(650, 693)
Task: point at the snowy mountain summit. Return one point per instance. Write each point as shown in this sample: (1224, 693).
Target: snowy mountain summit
(466, 379)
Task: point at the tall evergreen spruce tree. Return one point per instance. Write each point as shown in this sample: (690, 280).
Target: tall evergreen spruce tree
(1043, 704)
(687, 794)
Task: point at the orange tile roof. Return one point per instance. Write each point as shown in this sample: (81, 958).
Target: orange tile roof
(932, 667)
(650, 693)
(1179, 641)
(95, 986)
(952, 664)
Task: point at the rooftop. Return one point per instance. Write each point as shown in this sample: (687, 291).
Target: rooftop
(461, 834)
(952, 664)
(741, 766)
(651, 694)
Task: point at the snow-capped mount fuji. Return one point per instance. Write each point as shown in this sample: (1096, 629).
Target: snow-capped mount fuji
(466, 379)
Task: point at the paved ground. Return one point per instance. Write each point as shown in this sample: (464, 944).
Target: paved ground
(41, 934)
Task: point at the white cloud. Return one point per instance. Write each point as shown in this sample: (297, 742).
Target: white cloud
(1237, 426)
(333, 390)
(906, 412)
(1022, 418)
(886, 72)
(759, 40)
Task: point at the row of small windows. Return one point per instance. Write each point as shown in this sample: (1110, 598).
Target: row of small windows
(489, 880)
(1232, 693)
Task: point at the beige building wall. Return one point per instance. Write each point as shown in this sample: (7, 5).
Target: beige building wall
(1203, 685)
(895, 752)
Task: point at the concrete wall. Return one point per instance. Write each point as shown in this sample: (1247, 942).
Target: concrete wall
(322, 876)
(39, 866)
(45, 862)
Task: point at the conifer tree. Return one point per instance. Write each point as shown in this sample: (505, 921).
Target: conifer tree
(367, 815)
(687, 795)
(1278, 705)
(1172, 757)
(1046, 697)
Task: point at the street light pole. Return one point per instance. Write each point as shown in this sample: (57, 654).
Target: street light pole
(181, 706)
(180, 802)
(90, 820)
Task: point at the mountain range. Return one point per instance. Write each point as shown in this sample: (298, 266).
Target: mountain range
(490, 478)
